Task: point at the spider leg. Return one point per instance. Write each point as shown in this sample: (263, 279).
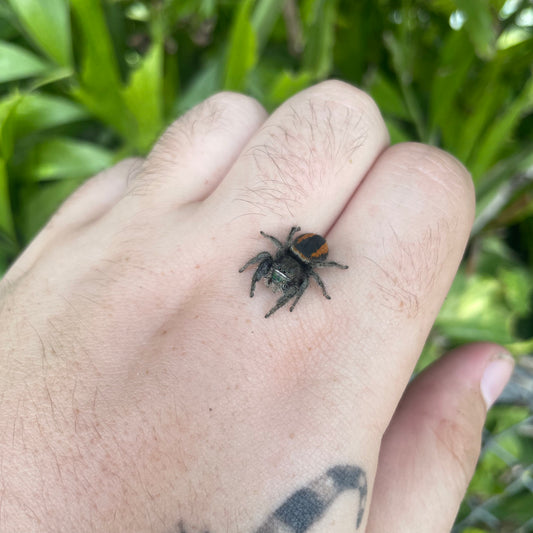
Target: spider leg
(262, 270)
(301, 290)
(328, 264)
(256, 259)
(317, 278)
(294, 229)
(283, 300)
(273, 239)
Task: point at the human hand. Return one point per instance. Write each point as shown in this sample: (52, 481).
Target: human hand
(143, 390)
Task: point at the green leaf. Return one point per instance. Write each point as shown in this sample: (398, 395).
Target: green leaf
(63, 158)
(320, 38)
(144, 97)
(99, 64)
(455, 60)
(242, 51)
(475, 311)
(171, 83)
(52, 76)
(402, 60)
(17, 63)
(47, 23)
(38, 111)
(518, 285)
(520, 347)
(480, 26)
(487, 479)
(189, 9)
(205, 83)
(40, 202)
(9, 249)
(396, 132)
(516, 510)
(503, 417)
(100, 84)
(8, 108)
(264, 17)
(512, 36)
(110, 109)
(501, 130)
(287, 84)
(484, 104)
(388, 98)
(6, 214)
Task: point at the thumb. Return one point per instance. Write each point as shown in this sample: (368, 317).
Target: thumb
(432, 444)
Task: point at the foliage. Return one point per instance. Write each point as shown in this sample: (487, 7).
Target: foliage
(84, 83)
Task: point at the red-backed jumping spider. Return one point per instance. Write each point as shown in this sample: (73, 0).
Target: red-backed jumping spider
(292, 266)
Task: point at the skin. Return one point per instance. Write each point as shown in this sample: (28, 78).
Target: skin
(142, 389)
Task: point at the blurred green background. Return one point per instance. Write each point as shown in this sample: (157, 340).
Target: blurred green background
(85, 83)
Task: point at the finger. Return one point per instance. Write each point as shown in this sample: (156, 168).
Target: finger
(304, 163)
(430, 449)
(403, 235)
(197, 150)
(88, 203)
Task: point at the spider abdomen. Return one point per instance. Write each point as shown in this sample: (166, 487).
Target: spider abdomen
(310, 247)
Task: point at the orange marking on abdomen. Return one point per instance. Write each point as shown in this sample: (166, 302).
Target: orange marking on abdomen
(303, 237)
(321, 251)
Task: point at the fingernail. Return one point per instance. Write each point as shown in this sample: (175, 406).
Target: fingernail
(495, 377)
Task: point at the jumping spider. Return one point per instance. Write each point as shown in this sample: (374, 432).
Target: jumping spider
(292, 266)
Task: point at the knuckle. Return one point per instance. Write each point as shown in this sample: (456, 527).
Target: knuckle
(343, 92)
(218, 112)
(340, 90)
(437, 173)
(351, 97)
(131, 164)
(232, 102)
(428, 200)
(130, 167)
(409, 273)
(209, 124)
(308, 143)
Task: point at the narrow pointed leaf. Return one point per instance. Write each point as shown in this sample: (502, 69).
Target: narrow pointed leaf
(242, 52)
(206, 82)
(480, 26)
(8, 108)
(264, 17)
(47, 23)
(39, 111)
(17, 63)
(320, 37)
(63, 158)
(388, 97)
(144, 97)
(41, 201)
(6, 215)
(500, 131)
(286, 85)
(100, 84)
(455, 60)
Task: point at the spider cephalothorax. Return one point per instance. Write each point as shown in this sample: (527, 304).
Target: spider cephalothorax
(292, 266)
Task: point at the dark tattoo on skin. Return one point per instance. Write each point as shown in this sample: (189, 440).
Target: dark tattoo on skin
(309, 504)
